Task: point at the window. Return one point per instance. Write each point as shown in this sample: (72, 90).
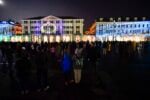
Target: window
(26, 27)
(77, 26)
(57, 21)
(44, 22)
(135, 25)
(71, 26)
(143, 25)
(32, 22)
(25, 22)
(39, 22)
(139, 25)
(51, 21)
(26, 31)
(78, 21)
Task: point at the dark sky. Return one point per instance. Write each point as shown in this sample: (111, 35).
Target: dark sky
(88, 9)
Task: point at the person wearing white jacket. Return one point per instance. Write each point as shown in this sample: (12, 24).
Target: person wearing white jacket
(78, 63)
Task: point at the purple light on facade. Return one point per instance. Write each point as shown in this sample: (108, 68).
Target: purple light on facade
(38, 28)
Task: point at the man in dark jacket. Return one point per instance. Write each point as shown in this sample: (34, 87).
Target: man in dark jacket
(23, 72)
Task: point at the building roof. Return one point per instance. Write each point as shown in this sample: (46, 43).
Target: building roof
(35, 18)
(67, 17)
(40, 17)
(107, 19)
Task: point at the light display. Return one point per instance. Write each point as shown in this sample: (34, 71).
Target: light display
(36, 38)
(122, 31)
(90, 38)
(51, 38)
(58, 38)
(5, 28)
(26, 39)
(77, 38)
(45, 38)
(66, 38)
(5, 38)
(48, 28)
(122, 28)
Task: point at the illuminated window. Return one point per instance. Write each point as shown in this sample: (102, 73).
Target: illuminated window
(135, 18)
(111, 19)
(143, 18)
(119, 19)
(127, 18)
(101, 19)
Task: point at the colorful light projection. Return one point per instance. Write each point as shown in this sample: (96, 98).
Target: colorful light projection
(36, 38)
(48, 28)
(58, 38)
(90, 38)
(51, 38)
(121, 28)
(66, 38)
(17, 29)
(5, 28)
(77, 38)
(4, 38)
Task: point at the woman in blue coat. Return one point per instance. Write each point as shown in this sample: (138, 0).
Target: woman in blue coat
(67, 66)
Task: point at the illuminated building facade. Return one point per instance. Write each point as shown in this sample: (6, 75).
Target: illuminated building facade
(52, 28)
(122, 30)
(6, 30)
(17, 29)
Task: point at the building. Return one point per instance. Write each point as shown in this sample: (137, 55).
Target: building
(6, 30)
(52, 28)
(122, 29)
(17, 29)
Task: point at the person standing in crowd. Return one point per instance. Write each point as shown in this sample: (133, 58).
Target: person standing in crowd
(66, 65)
(85, 55)
(23, 71)
(1, 55)
(9, 56)
(78, 63)
(42, 68)
(53, 55)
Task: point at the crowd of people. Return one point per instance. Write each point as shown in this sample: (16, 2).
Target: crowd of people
(17, 59)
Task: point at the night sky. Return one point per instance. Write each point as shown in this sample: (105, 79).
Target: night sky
(88, 9)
